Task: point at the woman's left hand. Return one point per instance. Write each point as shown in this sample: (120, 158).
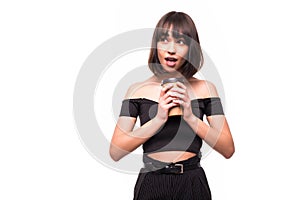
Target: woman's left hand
(183, 99)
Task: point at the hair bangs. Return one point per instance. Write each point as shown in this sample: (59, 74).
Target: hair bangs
(180, 29)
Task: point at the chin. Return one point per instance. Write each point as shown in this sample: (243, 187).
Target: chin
(170, 69)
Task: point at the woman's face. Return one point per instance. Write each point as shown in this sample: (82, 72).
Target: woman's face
(171, 51)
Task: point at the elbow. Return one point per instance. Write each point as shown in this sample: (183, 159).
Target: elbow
(229, 153)
(114, 157)
(116, 153)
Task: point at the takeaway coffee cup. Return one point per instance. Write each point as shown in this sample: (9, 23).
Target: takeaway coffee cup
(176, 110)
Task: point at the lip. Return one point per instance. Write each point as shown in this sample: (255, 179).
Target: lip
(172, 59)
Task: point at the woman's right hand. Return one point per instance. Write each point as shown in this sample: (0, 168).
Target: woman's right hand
(165, 102)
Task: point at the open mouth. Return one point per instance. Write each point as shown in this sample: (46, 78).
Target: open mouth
(171, 59)
(171, 62)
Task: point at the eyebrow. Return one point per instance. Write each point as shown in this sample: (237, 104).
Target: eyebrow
(175, 35)
(164, 34)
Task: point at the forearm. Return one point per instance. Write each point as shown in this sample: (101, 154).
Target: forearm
(216, 137)
(125, 142)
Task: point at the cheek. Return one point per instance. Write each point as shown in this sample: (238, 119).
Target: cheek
(160, 47)
(183, 53)
(160, 54)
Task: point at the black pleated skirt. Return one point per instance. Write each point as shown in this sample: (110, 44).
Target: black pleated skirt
(191, 185)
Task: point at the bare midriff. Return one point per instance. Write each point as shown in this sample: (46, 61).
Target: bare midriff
(171, 156)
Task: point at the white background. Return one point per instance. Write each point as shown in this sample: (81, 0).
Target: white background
(254, 45)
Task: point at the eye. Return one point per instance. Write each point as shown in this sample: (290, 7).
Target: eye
(181, 41)
(163, 39)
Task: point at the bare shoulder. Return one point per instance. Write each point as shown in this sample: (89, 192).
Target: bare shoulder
(132, 90)
(204, 88)
(144, 89)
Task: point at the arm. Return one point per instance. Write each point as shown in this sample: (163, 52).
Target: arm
(216, 133)
(126, 140)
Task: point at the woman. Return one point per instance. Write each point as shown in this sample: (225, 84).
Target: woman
(171, 143)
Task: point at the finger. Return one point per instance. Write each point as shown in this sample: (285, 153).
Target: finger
(170, 105)
(169, 100)
(179, 90)
(178, 101)
(165, 89)
(181, 85)
(167, 95)
(175, 94)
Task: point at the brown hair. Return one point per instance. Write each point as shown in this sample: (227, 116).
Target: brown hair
(183, 25)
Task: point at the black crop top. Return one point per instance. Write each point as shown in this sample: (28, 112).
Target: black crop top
(176, 134)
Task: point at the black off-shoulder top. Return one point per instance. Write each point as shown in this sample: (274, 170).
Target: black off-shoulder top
(175, 134)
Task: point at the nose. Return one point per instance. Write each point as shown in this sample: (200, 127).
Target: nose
(171, 48)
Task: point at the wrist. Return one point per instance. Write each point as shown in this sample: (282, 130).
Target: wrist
(192, 120)
(159, 121)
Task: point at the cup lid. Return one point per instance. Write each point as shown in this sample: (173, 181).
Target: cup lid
(172, 80)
